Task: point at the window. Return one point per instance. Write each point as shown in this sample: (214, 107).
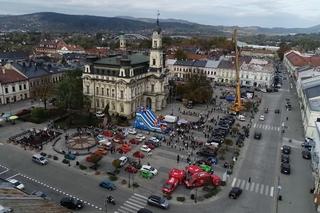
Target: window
(112, 92)
(26, 96)
(97, 103)
(13, 88)
(97, 91)
(102, 103)
(215, 73)
(152, 87)
(121, 108)
(102, 91)
(6, 89)
(153, 61)
(155, 43)
(24, 86)
(107, 91)
(121, 94)
(87, 89)
(20, 87)
(247, 76)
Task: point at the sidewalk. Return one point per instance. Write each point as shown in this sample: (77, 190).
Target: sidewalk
(17, 106)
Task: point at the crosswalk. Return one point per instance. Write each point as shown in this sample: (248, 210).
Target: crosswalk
(258, 188)
(133, 204)
(266, 127)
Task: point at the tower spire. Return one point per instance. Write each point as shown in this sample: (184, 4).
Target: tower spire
(158, 14)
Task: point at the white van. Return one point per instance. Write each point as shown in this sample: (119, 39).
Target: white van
(241, 118)
(39, 159)
(105, 144)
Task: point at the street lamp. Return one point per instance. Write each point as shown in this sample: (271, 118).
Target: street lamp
(129, 185)
(106, 204)
(196, 196)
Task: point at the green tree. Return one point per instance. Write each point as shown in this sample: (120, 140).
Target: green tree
(197, 89)
(283, 48)
(69, 91)
(43, 91)
(180, 55)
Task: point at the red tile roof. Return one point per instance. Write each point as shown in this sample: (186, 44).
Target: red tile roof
(300, 60)
(9, 76)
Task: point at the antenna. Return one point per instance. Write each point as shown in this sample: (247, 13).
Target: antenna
(158, 14)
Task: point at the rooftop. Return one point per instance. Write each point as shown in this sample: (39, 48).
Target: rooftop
(115, 60)
(299, 60)
(9, 76)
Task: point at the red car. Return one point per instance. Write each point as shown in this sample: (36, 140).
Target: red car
(138, 154)
(150, 145)
(125, 148)
(134, 141)
(131, 169)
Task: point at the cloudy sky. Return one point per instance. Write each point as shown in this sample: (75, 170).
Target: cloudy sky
(267, 13)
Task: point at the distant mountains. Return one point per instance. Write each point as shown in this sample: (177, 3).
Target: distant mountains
(57, 22)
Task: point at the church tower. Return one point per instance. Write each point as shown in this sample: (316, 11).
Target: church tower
(156, 52)
(122, 42)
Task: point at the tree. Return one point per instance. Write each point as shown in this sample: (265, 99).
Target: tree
(180, 55)
(70, 92)
(94, 158)
(116, 164)
(43, 91)
(197, 89)
(283, 48)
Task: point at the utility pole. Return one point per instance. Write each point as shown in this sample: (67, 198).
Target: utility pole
(106, 204)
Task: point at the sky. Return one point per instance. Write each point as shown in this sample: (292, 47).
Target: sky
(264, 13)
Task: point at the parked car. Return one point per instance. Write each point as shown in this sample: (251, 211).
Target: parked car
(285, 158)
(134, 141)
(144, 210)
(158, 201)
(261, 118)
(277, 111)
(38, 158)
(123, 160)
(132, 131)
(131, 169)
(306, 154)
(71, 203)
(285, 168)
(286, 149)
(145, 148)
(70, 156)
(206, 153)
(150, 169)
(16, 184)
(140, 137)
(40, 194)
(107, 185)
(235, 192)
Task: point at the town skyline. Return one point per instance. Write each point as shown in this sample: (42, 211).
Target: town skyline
(275, 13)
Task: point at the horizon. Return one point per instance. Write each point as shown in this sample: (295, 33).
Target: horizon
(243, 13)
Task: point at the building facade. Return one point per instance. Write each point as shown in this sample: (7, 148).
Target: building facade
(253, 72)
(124, 82)
(14, 86)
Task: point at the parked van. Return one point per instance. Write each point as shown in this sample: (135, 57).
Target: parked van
(105, 144)
(241, 118)
(39, 159)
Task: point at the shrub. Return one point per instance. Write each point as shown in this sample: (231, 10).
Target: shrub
(82, 167)
(49, 156)
(113, 177)
(135, 185)
(55, 158)
(181, 199)
(117, 171)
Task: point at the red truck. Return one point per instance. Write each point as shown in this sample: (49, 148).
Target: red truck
(176, 177)
(200, 179)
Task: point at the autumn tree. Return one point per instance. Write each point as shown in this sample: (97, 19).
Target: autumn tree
(43, 90)
(283, 48)
(180, 55)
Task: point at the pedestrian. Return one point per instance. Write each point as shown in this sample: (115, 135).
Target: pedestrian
(178, 158)
(249, 180)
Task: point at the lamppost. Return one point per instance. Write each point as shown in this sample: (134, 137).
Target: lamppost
(106, 204)
(278, 195)
(129, 184)
(196, 196)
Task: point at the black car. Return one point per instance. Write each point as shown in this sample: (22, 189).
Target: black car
(235, 192)
(285, 158)
(158, 201)
(306, 154)
(285, 168)
(206, 153)
(257, 135)
(71, 203)
(277, 111)
(307, 145)
(286, 149)
(144, 210)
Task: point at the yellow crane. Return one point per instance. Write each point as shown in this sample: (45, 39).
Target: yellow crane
(237, 105)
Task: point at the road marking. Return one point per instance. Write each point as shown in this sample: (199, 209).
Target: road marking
(238, 183)
(130, 206)
(252, 187)
(257, 188)
(1, 144)
(140, 196)
(13, 176)
(278, 128)
(242, 184)
(120, 210)
(233, 182)
(134, 204)
(4, 171)
(261, 189)
(247, 186)
(254, 125)
(126, 209)
(267, 127)
(267, 190)
(137, 201)
(271, 191)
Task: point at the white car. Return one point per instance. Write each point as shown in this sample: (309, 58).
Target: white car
(132, 131)
(149, 169)
(16, 184)
(154, 139)
(261, 118)
(123, 160)
(140, 137)
(145, 148)
(99, 114)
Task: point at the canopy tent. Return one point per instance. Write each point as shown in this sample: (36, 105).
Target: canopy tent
(182, 121)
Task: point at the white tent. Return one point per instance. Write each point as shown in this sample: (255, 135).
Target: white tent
(170, 118)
